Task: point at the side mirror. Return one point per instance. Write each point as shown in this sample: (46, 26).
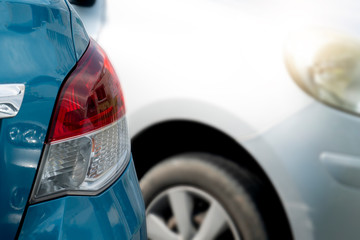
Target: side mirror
(83, 3)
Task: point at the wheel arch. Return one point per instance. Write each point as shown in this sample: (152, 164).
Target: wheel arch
(167, 138)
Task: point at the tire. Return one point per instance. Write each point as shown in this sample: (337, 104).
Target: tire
(201, 197)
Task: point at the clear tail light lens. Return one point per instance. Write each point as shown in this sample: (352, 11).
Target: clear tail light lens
(87, 146)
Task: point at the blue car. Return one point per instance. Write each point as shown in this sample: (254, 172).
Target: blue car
(65, 160)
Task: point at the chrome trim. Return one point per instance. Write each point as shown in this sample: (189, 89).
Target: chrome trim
(11, 97)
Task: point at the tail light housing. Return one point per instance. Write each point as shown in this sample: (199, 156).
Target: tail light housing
(87, 146)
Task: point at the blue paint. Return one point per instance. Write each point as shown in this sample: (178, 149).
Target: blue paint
(117, 213)
(80, 36)
(40, 42)
(37, 50)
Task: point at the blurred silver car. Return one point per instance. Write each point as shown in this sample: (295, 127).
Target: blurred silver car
(244, 115)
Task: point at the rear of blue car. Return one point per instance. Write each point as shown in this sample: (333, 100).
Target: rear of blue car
(65, 161)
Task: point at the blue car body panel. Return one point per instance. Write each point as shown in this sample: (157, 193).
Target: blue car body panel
(37, 49)
(117, 213)
(80, 36)
(40, 42)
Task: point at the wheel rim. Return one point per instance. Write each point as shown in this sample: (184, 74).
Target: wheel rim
(184, 213)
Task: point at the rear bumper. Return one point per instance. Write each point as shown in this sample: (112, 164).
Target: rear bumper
(117, 213)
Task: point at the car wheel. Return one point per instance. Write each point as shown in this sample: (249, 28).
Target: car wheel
(201, 197)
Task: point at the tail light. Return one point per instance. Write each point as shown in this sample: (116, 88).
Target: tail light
(87, 146)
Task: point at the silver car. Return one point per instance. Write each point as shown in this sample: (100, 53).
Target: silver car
(244, 115)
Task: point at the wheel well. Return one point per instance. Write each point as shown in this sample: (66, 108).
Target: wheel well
(166, 139)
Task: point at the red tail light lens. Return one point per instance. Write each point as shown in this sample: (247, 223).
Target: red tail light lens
(88, 145)
(90, 99)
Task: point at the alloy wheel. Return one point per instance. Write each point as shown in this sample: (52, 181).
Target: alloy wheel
(184, 212)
